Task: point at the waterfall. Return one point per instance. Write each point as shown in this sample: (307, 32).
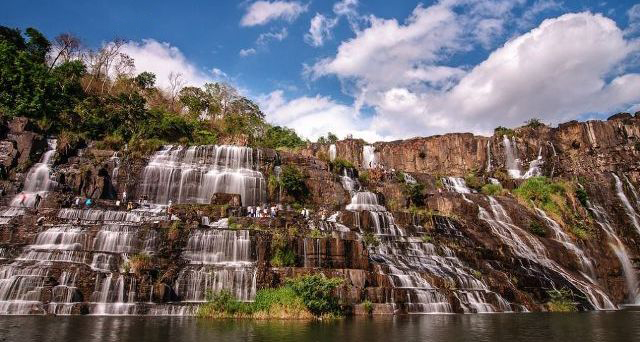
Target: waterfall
(220, 260)
(116, 238)
(455, 184)
(38, 180)
(619, 250)
(114, 297)
(512, 163)
(332, 152)
(365, 200)
(21, 288)
(525, 246)
(58, 243)
(559, 235)
(194, 174)
(218, 247)
(489, 155)
(534, 166)
(409, 178)
(369, 158)
(65, 295)
(348, 183)
(628, 208)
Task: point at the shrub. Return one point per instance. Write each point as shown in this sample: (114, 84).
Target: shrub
(277, 137)
(582, 196)
(580, 231)
(367, 305)
(292, 181)
(502, 131)
(363, 177)
(426, 238)
(473, 181)
(561, 301)
(316, 292)
(415, 192)
(338, 164)
(140, 262)
(492, 189)
(533, 123)
(537, 228)
(222, 302)
(283, 257)
(370, 240)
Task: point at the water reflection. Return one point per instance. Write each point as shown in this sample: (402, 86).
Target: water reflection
(611, 326)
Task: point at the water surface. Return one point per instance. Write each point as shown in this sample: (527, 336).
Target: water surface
(579, 327)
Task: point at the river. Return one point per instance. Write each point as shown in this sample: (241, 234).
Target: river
(588, 326)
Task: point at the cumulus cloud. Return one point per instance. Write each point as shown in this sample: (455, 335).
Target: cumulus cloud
(163, 59)
(262, 12)
(565, 67)
(313, 117)
(320, 30)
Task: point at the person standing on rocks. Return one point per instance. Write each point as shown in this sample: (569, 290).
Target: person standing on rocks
(37, 202)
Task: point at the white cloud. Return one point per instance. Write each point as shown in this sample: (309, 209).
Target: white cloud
(247, 52)
(163, 59)
(312, 117)
(262, 12)
(320, 29)
(345, 7)
(634, 19)
(567, 66)
(265, 38)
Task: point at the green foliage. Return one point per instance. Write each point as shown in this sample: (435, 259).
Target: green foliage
(332, 138)
(581, 232)
(582, 196)
(370, 240)
(292, 181)
(415, 192)
(537, 228)
(473, 181)
(533, 123)
(317, 293)
(140, 262)
(492, 189)
(368, 306)
(502, 131)
(426, 238)
(543, 193)
(364, 177)
(339, 164)
(561, 301)
(283, 257)
(276, 137)
(299, 298)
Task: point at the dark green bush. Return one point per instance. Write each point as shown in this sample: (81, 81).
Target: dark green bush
(292, 181)
(317, 293)
(537, 228)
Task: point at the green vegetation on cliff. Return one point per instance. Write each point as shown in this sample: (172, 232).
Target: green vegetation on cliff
(95, 95)
(304, 297)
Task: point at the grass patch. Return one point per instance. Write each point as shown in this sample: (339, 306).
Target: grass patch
(544, 194)
(492, 189)
(370, 240)
(537, 228)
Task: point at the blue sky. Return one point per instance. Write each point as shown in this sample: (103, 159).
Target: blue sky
(378, 69)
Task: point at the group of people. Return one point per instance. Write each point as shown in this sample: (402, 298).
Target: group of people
(265, 211)
(87, 202)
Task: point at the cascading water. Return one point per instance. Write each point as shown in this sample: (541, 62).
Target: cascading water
(512, 162)
(220, 260)
(534, 166)
(489, 155)
(619, 250)
(628, 208)
(559, 235)
(194, 174)
(114, 297)
(525, 246)
(38, 180)
(369, 158)
(456, 184)
(332, 152)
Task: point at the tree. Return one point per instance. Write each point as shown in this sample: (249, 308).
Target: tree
(332, 138)
(68, 48)
(195, 99)
(145, 80)
(176, 82)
